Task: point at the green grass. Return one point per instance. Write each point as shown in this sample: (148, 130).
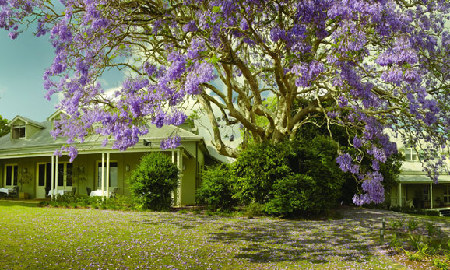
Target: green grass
(56, 238)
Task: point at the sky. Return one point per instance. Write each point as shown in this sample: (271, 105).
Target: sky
(22, 65)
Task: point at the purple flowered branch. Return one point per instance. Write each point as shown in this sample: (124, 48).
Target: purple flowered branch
(367, 65)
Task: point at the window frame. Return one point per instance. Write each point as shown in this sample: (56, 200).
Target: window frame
(411, 154)
(14, 175)
(446, 195)
(64, 174)
(98, 175)
(17, 135)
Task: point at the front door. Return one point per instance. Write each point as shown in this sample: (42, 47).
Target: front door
(44, 179)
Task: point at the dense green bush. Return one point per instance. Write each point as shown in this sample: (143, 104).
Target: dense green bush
(152, 182)
(257, 168)
(291, 177)
(315, 183)
(216, 190)
(290, 195)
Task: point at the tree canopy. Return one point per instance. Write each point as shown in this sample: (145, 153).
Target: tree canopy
(361, 64)
(4, 128)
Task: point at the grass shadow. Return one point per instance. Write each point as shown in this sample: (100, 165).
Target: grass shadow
(24, 203)
(315, 241)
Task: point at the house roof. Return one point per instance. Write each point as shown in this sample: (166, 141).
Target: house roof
(26, 120)
(43, 142)
(421, 179)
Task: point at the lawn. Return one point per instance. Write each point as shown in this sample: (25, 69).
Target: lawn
(56, 238)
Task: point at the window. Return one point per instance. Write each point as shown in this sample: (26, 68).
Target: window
(18, 132)
(11, 172)
(44, 175)
(447, 194)
(113, 174)
(64, 174)
(410, 154)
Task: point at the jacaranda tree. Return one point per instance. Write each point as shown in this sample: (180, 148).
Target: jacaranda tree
(371, 65)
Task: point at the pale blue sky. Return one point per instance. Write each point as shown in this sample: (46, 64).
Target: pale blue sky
(22, 64)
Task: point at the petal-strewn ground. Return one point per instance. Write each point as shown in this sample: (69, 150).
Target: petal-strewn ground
(49, 238)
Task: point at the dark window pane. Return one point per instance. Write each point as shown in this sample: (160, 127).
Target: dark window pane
(48, 179)
(41, 175)
(22, 132)
(60, 175)
(15, 175)
(69, 174)
(8, 175)
(18, 132)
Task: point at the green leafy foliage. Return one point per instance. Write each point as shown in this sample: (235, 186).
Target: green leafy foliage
(152, 182)
(257, 168)
(344, 136)
(420, 241)
(314, 186)
(4, 128)
(290, 195)
(216, 190)
(298, 177)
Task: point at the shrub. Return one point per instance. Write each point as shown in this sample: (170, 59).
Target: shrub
(291, 177)
(290, 195)
(216, 190)
(257, 168)
(152, 182)
(254, 209)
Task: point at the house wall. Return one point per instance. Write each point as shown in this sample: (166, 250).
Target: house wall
(415, 193)
(85, 171)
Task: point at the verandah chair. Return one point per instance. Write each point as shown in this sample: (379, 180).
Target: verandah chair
(14, 193)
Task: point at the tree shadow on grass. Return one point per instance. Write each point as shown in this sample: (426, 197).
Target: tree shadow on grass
(354, 238)
(313, 241)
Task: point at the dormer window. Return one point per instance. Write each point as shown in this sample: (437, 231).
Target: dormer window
(18, 132)
(22, 127)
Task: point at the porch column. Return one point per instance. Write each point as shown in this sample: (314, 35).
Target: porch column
(400, 194)
(107, 174)
(431, 195)
(172, 194)
(103, 175)
(56, 175)
(52, 177)
(180, 174)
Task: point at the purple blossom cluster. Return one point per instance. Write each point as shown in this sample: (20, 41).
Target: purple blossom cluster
(171, 142)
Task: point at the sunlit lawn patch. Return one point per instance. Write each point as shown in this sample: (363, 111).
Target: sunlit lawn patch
(55, 238)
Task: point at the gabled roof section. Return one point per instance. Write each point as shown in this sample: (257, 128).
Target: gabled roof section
(26, 120)
(55, 115)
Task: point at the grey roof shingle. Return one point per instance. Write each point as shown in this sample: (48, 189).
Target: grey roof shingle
(43, 137)
(26, 120)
